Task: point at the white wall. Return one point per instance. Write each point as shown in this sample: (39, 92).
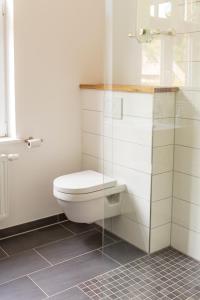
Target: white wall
(58, 44)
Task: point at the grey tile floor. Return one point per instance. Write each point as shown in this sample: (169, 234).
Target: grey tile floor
(66, 261)
(163, 276)
(51, 262)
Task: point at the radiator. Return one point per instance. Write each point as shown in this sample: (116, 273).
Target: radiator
(4, 203)
(3, 186)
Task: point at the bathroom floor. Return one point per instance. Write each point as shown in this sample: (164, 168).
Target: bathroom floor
(66, 261)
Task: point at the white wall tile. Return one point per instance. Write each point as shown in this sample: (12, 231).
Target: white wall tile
(160, 237)
(125, 70)
(187, 47)
(98, 146)
(188, 104)
(187, 160)
(92, 145)
(187, 133)
(108, 149)
(163, 133)
(136, 209)
(163, 159)
(92, 99)
(187, 187)
(92, 121)
(192, 74)
(92, 163)
(162, 186)
(132, 155)
(138, 105)
(108, 125)
(137, 183)
(161, 212)
(164, 105)
(106, 224)
(136, 130)
(186, 214)
(132, 232)
(130, 129)
(113, 105)
(186, 241)
(186, 16)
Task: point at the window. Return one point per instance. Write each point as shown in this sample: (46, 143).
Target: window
(3, 110)
(7, 80)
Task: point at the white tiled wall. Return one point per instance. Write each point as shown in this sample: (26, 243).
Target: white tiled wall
(166, 61)
(123, 148)
(186, 204)
(162, 178)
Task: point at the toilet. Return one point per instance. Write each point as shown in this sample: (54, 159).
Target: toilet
(88, 196)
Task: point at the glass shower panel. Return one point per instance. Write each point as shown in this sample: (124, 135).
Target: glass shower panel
(138, 137)
(127, 133)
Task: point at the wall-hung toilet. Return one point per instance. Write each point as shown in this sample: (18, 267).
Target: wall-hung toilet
(88, 196)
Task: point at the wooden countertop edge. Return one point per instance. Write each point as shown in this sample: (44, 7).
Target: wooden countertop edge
(129, 88)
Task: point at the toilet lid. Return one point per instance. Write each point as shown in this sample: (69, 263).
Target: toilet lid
(83, 182)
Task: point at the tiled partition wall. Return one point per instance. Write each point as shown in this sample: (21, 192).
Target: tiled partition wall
(186, 207)
(162, 177)
(186, 204)
(135, 154)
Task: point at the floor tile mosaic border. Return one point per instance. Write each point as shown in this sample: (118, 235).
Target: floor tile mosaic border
(163, 276)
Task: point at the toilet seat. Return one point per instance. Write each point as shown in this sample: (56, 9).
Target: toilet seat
(89, 196)
(83, 183)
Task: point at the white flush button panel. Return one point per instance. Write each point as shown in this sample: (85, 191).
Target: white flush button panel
(113, 107)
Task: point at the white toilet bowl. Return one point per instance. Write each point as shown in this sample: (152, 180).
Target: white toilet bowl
(88, 196)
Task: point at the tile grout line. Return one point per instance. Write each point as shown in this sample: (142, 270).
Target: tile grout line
(63, 291)
(123, 265)
(42, 257)
(77, 285)
(161, 199)
(180, 225)
(32, 230)
(53, 265)
(24, 275)
(80, 255)
(188, 147)
(74, 233)
(158, 226)
(82, 291)
(108, 256)
(166, 264)
(38, 286)
(126, 167)
(80, 233)
(43, 245)
(188, 174)
(7, 255)
(128, 141)
(188, 202)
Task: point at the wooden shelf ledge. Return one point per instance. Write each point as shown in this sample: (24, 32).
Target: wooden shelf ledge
(130, 88)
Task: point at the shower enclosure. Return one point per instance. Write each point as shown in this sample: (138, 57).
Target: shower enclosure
(150, 137)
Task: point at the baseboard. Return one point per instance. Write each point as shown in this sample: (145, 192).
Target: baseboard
(18, 229)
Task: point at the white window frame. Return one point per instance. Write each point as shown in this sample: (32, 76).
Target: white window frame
(3, 100)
